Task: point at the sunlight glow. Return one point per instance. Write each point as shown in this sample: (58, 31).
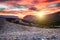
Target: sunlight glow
(41, 14)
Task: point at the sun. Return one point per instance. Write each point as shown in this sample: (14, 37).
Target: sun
(41, 14)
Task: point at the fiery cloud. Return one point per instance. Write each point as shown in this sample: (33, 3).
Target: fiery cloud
(38, 4)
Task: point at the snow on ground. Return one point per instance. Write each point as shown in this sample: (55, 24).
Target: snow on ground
(11, 31)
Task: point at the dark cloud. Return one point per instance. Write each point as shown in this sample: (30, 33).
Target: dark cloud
(53, 5)
(51, 0)
(58, 4)
(33, 8)
(35, 1)
(1, 16)
(3, 0)
(9, 0)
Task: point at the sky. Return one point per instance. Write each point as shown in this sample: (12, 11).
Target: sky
(29, 5)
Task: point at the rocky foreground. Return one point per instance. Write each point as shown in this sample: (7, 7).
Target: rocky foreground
(11, 31)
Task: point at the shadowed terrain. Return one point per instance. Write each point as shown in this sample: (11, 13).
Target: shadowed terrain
(12, 31)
